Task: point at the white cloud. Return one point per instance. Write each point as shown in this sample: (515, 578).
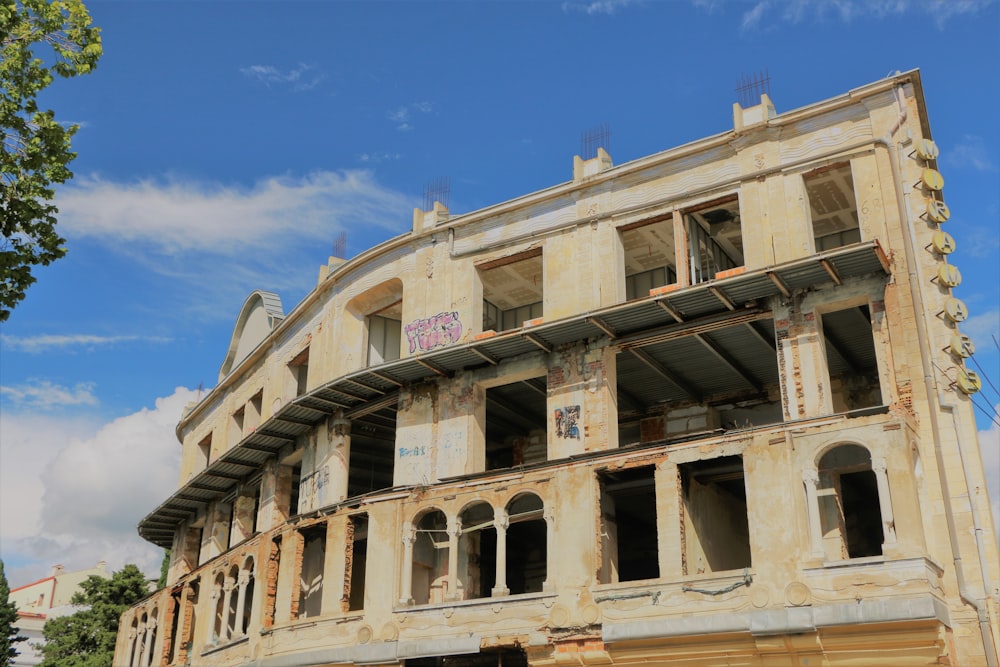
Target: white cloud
(178, 216)
(845, 11)
(213, 243)
(299, 79)
(593, 7)
(402, 115)
(48, 342)
(74, 491)
(984, 329)
(971, 151)
(44, 395)
(376, 158)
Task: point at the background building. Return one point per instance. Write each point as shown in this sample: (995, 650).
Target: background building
(46, 598)
(708, 407)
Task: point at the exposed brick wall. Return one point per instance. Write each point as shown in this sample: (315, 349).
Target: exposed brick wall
(271, 582)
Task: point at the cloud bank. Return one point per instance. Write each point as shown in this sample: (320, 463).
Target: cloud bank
(80, 488)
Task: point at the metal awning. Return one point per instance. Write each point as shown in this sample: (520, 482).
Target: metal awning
(648, 323)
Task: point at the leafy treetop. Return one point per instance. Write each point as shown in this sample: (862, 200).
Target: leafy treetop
(8, 623)
(35, 148)
(87, 638)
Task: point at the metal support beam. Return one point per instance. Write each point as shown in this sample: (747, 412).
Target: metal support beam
(720, 295)
(729, 361)
(779, 283)
(666, 374)
(542, 345)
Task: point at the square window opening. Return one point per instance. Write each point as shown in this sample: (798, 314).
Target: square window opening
(516, 424)
(833, 206)
(650, 256)
(851, 359)
(629, 541)
(715, 238)
(716, 535)
(512, 291)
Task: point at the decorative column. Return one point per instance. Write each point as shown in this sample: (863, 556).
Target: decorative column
(132, 635)
(140, 635)
(241, 599)
(810, 479)
(454, 532)
(550, 541)
(884, 502)
(227, 592)
(213, 601)
(501, 521)
(406, 579)
(147, 644)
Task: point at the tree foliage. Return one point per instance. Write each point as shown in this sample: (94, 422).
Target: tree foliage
(35, 149)
(8, 623)
(87, 638)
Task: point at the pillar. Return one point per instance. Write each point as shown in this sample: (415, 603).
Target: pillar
(406, 578)
(241, 599)
(454, 532)
(810, 479)
(501, 521)
(884, 502)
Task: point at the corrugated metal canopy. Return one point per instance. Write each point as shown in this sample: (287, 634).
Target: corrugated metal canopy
(695, 364)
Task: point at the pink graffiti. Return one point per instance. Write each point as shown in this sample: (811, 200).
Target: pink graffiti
(432, 332)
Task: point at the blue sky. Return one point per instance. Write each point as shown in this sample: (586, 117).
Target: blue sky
(224, 146)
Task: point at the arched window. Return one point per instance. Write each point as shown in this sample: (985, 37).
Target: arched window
(233, 597)
(219, 594)
(477, 551)
(430, 558)
(526, 545)
(854, 513)
(246, 594)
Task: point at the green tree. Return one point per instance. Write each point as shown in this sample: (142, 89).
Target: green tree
(8, 620)
(164, 569)
(87, 638)
(35, 150)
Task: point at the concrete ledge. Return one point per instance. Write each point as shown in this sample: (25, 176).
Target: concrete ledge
(792, 620)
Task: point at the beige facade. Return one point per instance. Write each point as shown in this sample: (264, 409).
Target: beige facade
(704, 408)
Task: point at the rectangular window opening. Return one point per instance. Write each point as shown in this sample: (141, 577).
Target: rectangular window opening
(385, 331)
(650, 256)
(205, 451)
(357, 544)
(629, 544)
(833, 206)
(311, 577)
(716, 534)
(299, 368)
(695, 385)
(516, 424)
(851, 360)
(512, 291)
(715, 238)
(373, 446)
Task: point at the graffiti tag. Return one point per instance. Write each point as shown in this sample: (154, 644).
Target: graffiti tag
(433, 332)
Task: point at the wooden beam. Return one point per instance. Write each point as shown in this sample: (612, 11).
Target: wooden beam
(726, 301)
(831, 271)
(538, 342)
(779, 283)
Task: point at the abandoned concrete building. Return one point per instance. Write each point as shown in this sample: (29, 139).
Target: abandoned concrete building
(708, 407)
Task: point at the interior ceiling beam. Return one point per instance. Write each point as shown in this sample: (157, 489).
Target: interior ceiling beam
(779, 283)
(514, 413)
(432, 367)
(721, 296)
(538, 342)
(603, 326)
(679, 330)
(670, 310)
(484, 355)
(666, 374)
(385, 377)
(838, 346)
(755, 332)
(535, 388)
(729, 361)
(327, 403)
(358, 383)
(373, 406)
(630, 397)
(831, 270)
